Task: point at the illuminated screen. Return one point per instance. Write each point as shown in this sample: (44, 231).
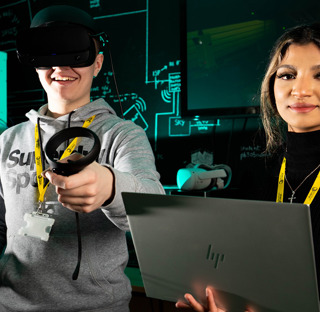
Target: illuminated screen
(225, 49)
(3, 90)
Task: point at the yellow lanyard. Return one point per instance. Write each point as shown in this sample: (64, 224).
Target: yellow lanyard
(281, 181)
(312, 193)
(41, 187)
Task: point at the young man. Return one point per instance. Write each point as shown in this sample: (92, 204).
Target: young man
(36, 270)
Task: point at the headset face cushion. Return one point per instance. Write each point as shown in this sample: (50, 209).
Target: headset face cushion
(65, 45)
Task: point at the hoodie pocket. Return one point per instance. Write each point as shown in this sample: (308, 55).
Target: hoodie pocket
(106, 257)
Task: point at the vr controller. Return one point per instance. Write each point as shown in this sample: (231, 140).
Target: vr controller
(72, 166)
(58, 45)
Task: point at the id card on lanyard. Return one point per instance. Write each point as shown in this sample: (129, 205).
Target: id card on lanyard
(39, 224)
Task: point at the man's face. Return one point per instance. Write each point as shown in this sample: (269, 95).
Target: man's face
(68, 86)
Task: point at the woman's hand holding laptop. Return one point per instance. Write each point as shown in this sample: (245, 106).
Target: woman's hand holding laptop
(198, 307)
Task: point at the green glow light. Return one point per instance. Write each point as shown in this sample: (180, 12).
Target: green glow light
(3, 88)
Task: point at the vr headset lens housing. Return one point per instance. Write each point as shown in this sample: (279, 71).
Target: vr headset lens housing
(45, 47)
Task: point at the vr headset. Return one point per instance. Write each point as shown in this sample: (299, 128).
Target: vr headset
(58, 45)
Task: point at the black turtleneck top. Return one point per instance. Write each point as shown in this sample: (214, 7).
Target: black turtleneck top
(302, 152)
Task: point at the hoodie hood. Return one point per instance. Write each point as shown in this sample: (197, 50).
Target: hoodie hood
(96, 107)
(49, 125)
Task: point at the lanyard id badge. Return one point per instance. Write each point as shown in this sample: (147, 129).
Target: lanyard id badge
(39, 224)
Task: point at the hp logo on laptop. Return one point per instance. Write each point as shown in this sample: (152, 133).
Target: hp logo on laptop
(214, 256)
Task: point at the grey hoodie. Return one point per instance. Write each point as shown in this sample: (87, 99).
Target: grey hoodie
(36, 275)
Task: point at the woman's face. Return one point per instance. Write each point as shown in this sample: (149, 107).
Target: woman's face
(68, 88)
(297, 88)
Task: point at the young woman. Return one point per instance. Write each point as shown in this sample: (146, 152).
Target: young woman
(290, 105)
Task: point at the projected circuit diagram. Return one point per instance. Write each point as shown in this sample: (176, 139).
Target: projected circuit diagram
(150, 92)
(169, 85)
(163, 114)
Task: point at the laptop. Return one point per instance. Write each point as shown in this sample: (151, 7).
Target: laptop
(258, 256)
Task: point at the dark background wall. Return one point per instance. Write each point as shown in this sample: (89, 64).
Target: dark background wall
(145, 46)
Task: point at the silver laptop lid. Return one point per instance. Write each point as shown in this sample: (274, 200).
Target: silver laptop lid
(257, 255)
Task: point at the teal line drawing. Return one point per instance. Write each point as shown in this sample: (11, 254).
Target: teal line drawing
(139, 101)
(205, 125)
(166, 95)
(168, 83)
(30, 14)
(120, 14)
(94, 4)
(175, 82)
(103, 90)
(12, 4)
(135, 116)
(166, 79)
(179, 127)
(174, 112)
(134, 112)
(147, 40)
(141, 104)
